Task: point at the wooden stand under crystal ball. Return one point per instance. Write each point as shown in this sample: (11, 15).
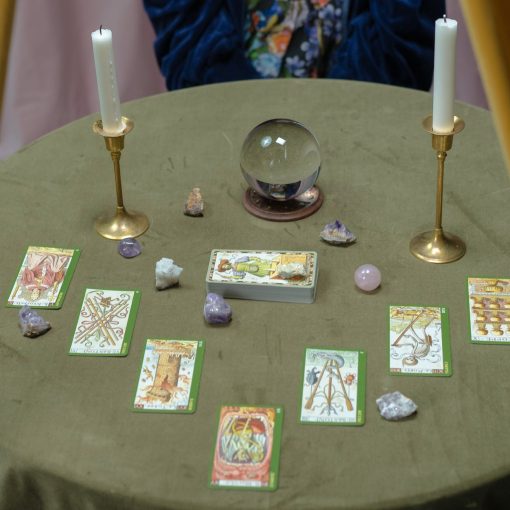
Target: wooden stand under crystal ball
(298, 208)
(123, 224)
(437, 246)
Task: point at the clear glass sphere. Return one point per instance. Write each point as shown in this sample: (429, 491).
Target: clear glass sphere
(280, 159)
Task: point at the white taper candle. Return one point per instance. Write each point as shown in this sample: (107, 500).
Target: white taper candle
(444, 75)
(109, 102)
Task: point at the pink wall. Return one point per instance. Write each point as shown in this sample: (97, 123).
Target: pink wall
(51, 78)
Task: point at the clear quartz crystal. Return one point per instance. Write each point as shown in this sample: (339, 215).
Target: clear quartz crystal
(280, 159)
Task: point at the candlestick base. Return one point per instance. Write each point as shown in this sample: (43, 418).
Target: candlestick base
(123, 224)
(437, 247)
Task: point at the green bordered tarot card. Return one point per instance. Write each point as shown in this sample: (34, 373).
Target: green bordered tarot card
(419, 341)
(247, 448)
(489, 310)
(43, 277)
(169, 376)
(333, 387)
(105, 323)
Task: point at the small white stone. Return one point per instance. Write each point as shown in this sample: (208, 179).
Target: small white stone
(395, 406)
(291, 270)
(167, 274)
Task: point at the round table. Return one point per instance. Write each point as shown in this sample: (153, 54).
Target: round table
(68, 436)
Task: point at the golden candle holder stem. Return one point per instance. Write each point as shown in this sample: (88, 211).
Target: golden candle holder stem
(437, 246)
(123, 224)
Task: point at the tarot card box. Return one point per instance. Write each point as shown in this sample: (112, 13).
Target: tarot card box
(289, 276)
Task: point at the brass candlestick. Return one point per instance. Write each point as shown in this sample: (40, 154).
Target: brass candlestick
(437, 246)
(123, 224)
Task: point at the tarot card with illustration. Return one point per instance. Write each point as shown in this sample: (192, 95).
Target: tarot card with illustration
(419, 341)
(247, 448)
(489, 310)
(105, 323)
(263, 275)
(169, 376)
(333, 387)
(43, 277)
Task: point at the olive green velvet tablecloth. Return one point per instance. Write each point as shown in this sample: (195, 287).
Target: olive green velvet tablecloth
(68, 437)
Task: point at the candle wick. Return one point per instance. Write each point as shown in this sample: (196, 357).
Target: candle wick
(101, 28)
(444, 17)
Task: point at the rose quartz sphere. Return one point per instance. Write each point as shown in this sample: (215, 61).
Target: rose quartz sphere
(367, 277)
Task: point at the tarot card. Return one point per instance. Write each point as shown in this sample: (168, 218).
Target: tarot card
(333, 387)
(170, 376)
(489, 310)
(419, 341)
(265, 275)
(247, 448)
(105, 323)
(43, 277)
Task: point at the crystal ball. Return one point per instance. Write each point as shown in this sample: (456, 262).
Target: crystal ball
(367, 277)
(280, 159)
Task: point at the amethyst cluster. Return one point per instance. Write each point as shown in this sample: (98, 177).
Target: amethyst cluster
(129, 247)
(31, 323)
(216, 310)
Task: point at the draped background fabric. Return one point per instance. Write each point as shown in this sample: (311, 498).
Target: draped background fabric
(51, 78)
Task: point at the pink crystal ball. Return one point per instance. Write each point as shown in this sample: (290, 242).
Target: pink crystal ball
(367, 277)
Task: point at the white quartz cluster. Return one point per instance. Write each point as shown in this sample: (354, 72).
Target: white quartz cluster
(167, 273)
(291, 270)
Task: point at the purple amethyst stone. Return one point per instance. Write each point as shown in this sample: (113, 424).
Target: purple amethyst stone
(129, 247)
(216, 310)
(31, 323)
(337, 233)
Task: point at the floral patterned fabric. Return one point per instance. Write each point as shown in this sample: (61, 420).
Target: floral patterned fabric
(292, 37)
(383, 41)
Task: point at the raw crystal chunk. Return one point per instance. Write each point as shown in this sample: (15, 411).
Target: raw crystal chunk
(129, 247)
(31, 323)
(291, 270)
(195, 204)
(216, 309)
(337, 233)
(167, 273)
(395, 406)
